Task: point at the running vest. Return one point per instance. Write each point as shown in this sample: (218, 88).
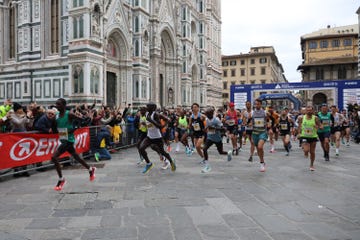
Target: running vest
(336, 120)
(183, 122)
(308, 127)
(142, 127)
(325, 119)
(247, 116)
(284, 125)
(197, 124)
(231, 118)
(259, 121)
(65, 127)
(152, 131)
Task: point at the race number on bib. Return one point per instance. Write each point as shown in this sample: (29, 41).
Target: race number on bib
(63, 134)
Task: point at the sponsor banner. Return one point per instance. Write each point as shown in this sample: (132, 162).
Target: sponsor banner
(18, 149)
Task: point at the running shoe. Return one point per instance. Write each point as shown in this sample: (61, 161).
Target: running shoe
(287, 154)
(173, 165)
(168, 149)
(92, 173)
(97, 156)
(348, 144)
(229, 155)
(342, 141)
(206, 169)
(148, 167)
(272, 150)
(165, 165)
(202, 162)
(140, 162)
(337, 154)
(262, 167)
(59, 186)
(312, 169)
(250, 159)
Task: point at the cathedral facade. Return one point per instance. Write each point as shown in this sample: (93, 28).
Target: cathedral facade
(111, 51)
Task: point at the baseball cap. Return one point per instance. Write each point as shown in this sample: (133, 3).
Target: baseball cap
(231, 104)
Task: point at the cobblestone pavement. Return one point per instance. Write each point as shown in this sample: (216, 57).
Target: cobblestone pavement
(233, 201)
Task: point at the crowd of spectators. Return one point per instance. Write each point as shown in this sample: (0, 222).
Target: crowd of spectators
(33, 118)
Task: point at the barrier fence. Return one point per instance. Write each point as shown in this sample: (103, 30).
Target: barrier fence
(34, 150)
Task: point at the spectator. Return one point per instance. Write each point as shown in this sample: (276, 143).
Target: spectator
(4, 114)
(103, 140)
(19, 122)
(130, 128)
(47, 122)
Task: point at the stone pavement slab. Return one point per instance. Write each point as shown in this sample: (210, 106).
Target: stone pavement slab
(233, 201)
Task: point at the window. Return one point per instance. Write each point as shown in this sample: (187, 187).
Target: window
(201, 6)
(263, 71)
(252, 71)
(225, 73)
(225, 95)
(78, 76)
(233, 72)
(252, 81)
(201, 26)
(242, 62)
(242, 82)
(184, 14)
(319, 74)
(224, 85)
(323, 44)
(262, 60)
(78, 3)
(263, 81)
(184, 67)
(184, 31)
(78, 27)
(201, 59)
(94, 80)
(137, 48)
(347, 42)
(225, 63)
(252, 61)
(54, 26)
(184, 50)
(242, 72)
(335, 43)
(312, 45)
(342, 72)
(12, 33)
(137, 24)
(233, 63)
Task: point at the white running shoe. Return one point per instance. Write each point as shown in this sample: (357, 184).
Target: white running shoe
(166, 165)
(206, 168)
(262, 167)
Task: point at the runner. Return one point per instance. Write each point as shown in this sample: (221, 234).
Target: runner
(308, 126)
(324, 133)
(230, 120)
(154, 138)
(285, 127)
(140, 123)
(197, 128)
(213, 127)
(345, 130)
(272, 127)
(337, 120)
(259, 135)
(181, 133)
(64, 120)
(247, 119)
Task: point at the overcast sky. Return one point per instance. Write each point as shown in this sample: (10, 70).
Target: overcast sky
(280, 23)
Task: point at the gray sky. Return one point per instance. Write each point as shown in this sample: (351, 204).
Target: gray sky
(280, 23)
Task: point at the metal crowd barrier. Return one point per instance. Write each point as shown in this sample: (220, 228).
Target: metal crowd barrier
(127, 139)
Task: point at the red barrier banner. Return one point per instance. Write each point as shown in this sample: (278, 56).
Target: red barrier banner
(18, 149)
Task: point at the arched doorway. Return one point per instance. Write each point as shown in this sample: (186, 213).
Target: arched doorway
(166, 77)
(318, 99)
(115, 84)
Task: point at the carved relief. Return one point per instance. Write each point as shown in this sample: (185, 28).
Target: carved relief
(36, 10)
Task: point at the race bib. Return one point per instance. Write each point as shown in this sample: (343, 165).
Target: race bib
(326, 123)
(63, 133)
(211, 131)
(196, 126)
(284, 126)
(231, 122)
(259, 122)
(308, 131)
